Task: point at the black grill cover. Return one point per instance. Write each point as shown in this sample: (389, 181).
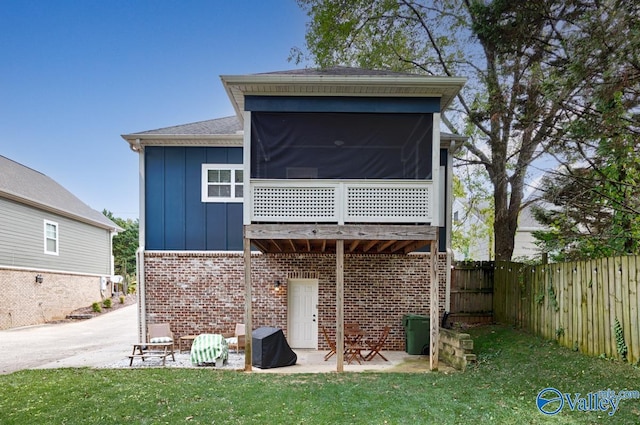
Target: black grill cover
(270, 349)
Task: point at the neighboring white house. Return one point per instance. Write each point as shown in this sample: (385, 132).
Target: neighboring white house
(525, 244)
(476, 231)
(55, 251)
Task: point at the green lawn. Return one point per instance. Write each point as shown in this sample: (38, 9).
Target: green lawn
(512, 368)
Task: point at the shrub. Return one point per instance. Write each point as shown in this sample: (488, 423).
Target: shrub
(96, 307)
(107, 303)
(121, 299)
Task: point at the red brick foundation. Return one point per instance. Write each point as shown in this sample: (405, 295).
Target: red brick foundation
(204, 292)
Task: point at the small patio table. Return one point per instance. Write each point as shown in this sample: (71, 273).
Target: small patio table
(186, 339)
(353, 344)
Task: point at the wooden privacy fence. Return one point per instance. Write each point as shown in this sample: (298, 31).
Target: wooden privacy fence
(590, 306)
(471, 292)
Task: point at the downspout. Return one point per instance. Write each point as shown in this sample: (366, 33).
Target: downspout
(112, 268)
(142, 299)
(449, 219)
(142, 309)
(447, 295)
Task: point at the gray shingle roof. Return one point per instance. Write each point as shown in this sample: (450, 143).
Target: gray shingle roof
(226, 125)
(31, 187)
(340, 70)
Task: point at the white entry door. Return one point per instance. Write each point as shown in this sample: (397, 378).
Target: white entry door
(303, 313)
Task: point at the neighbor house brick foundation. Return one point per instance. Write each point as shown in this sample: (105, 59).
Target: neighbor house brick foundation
(199, 292)
(25, 302)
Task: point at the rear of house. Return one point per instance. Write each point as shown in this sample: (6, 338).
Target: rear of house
(320, 200)
(55, 251)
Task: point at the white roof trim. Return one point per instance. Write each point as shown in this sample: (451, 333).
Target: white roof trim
(49, 208)
(237, 86)
(139, 141)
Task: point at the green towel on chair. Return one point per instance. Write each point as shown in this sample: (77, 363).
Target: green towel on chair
(206, 348)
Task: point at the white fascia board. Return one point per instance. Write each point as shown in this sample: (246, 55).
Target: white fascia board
(237, 86)
(138, 141)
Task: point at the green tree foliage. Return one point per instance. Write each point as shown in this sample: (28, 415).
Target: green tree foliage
(594, 198)
(513, 52)
(125, 245)
(594, 210)
(471, 227)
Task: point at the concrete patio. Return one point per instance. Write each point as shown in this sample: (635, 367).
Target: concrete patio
(106, 341)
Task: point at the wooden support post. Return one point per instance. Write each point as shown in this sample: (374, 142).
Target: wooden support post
(247, 305)
(434, 307)
(340, 305)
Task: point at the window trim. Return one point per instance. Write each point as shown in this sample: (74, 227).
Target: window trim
(56, 239)
(233, 168)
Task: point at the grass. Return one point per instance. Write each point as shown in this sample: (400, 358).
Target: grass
(502, 388)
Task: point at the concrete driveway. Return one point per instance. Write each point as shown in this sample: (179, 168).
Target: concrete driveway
(92, 342)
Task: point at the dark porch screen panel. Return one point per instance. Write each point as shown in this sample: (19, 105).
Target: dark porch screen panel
(341, 145)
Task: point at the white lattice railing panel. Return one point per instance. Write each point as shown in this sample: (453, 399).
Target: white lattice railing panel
(334, 201)
(388, 204)
(294, 204)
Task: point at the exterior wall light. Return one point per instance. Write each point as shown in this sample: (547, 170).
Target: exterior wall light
(39, 278)
(277, 285)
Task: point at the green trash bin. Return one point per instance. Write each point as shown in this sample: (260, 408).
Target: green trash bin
(417, 330)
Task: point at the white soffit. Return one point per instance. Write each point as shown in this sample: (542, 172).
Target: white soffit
(237, 86)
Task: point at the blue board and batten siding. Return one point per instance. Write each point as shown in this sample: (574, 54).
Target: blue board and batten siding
(176, 218)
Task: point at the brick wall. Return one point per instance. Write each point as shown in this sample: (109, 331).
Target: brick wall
(24, 302)
(204, 292)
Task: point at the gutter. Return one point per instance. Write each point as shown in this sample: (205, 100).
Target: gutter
(137, 142)
(142, 307)
(142, 299)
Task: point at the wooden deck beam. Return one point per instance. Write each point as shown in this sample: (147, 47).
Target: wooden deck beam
(399, 245)
(369, 245)
(385, 245)
(396, 232)
(248, 319)
(354, 245)
(434, 308)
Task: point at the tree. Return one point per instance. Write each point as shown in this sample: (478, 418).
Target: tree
(595, 194)
(470, 232)
(125, 245)
(595, 207)
(511, 51)
(581, 223)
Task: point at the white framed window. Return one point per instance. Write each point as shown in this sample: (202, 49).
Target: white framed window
(51, 240)
(222, 182)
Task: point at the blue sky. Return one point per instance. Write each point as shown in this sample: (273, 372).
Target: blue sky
(75, 75)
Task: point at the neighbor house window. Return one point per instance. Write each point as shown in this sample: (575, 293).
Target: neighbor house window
(222, 182)
(50, 237)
